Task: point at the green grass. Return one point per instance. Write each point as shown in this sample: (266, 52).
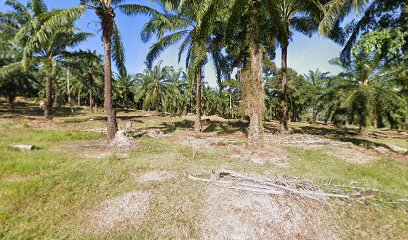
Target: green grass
(48, 194)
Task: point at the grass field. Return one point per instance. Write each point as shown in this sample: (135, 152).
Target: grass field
(50, 192)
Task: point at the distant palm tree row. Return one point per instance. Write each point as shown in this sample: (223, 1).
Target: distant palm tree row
(241, 35)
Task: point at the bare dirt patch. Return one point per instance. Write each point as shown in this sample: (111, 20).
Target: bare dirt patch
(123, 212)
(14, 178)
(157, 176)
(343, 150)
(261, 156)
(202, 141)
(233, 214)
(353, 154)
(304, 141)
(95, 149)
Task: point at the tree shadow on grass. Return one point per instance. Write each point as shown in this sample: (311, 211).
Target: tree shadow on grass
(32, 110)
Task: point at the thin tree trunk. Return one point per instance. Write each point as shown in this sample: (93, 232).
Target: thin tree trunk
(69, 92)
(283, 101)
(91, 101)
(48, 96)
(11, 99)
(79, 97)
(107, 18)
(230, 101)
(57, 95)
(197, 125)
(315, 114)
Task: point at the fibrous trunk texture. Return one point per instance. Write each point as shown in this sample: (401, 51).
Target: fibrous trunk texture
(253, 91)
(107, 18)
(197, 125)
(284, 100)
(48, 93)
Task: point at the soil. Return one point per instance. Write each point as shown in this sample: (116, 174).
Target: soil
(233, 214)
(123, 212)
(157, 176)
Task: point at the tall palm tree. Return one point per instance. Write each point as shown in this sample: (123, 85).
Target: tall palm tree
(113, 47)
(292, 15)
(88, 67)
(191, 25)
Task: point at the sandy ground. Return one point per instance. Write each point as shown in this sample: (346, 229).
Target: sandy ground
(233, 214)
(122, 212)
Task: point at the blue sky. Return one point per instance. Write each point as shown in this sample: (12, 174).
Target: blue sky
(304, 53)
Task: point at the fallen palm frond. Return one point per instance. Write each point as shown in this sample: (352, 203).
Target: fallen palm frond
(234, 180)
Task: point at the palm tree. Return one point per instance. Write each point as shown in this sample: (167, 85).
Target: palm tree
(152, 87)
(113, 47)
(123, 88)
(41, 40)
(318, 81)
(192, 25)
(369, 83)
(375, 14)
(292, 15)
(245, 35)
(88, 67)
(179, 95)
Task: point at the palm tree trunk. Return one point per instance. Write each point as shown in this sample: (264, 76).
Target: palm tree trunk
(197, 125)
(79, 97)
(11, 99)
(91, 101)
(283, 100)
(48, 101)
(254, 95)
(57, 95)
(315, 114)
(69, 92)
(107, 18)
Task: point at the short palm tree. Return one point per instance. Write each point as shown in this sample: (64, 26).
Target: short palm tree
(152, 87)
(370, 82)
(318, 81)
(123, 88)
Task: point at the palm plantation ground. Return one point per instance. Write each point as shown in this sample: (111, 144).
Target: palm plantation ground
(70, 187)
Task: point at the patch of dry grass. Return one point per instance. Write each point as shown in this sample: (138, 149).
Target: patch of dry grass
(62, 184)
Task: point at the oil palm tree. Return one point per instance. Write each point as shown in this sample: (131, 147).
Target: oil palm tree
(88, 67)
(113, 47)
(152, 87)
(123, 89)
(375, 14)
(192, 25)
(370, 83)
(318, 81)
(292, 15)
(41, 40)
